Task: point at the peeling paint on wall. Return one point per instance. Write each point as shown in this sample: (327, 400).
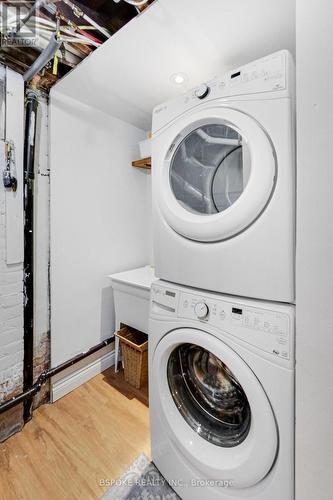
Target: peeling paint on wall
(11, 276)
(41, 364)
(11, 290)
(42, 250)
(10, 381)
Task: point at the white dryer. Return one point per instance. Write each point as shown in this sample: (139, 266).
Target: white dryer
(224, 183)
(222, 394)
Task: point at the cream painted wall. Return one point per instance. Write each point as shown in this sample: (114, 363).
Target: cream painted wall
(314, 278)
(99, 213)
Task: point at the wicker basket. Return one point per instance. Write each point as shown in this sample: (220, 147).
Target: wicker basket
(134, 348)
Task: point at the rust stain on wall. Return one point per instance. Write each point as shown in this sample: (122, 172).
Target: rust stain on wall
(41, 364)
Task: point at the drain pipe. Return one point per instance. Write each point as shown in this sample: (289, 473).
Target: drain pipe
(79, 13)
(43, 58)
(30, 392)
(29, 176)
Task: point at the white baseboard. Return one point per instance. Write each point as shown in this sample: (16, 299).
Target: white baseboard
(70, 382)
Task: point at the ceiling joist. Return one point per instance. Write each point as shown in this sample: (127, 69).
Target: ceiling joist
(81, 26)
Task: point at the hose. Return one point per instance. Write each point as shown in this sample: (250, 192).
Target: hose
(43, 58)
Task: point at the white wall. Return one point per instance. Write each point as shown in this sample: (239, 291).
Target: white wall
(42, 225)
(11, 254)
(99, 212)
(314, 281)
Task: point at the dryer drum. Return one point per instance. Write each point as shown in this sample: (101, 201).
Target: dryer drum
(210, 169)
(208, 396)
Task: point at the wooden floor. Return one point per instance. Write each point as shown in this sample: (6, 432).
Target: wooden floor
(72, 447)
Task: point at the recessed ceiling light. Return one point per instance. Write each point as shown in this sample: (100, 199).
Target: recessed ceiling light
(178, 78)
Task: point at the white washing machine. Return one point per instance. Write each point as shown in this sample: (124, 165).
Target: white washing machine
(224, 183)
(222, 394)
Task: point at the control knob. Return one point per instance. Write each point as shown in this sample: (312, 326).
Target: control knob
(201, 310)
(202, 91)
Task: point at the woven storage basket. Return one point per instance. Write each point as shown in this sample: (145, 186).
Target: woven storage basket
(134, 348)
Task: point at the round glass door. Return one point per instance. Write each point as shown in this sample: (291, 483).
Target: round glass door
(208, 396)
(210, 169)
(209, 404)
(214, 173)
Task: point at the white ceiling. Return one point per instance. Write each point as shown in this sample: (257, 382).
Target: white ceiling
(130, 74)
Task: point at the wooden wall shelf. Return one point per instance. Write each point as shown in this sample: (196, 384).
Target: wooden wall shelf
(144, 163)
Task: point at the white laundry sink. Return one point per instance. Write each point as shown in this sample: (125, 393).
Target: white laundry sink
(131, 290)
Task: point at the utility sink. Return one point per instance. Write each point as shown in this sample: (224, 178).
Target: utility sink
(131, 290)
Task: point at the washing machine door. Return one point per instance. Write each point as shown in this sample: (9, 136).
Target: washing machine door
(215, 171)
(213, 408)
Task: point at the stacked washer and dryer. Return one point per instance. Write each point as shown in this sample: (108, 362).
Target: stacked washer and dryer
(221, 332)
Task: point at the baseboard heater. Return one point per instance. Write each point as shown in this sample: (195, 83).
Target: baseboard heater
(43, 377)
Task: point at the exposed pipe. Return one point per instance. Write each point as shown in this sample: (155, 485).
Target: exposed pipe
(79, 13)
(45, 27)
(43, 58)
(82, 41)
(134, 2)
(44, 34)
(30, 392)
(96, 25)
(29, 176)
(71, 28)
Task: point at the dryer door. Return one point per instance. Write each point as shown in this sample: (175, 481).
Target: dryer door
(214, 408)
(215, 174)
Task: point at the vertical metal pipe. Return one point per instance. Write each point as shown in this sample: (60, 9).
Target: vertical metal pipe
(29, 175)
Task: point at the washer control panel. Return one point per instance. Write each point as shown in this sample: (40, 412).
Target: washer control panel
(164, 300)
(265, 328)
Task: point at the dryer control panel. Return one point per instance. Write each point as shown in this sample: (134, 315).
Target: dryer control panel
(266, 326)
(272, 75)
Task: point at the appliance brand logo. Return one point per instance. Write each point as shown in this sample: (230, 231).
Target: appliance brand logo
(18, 24)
